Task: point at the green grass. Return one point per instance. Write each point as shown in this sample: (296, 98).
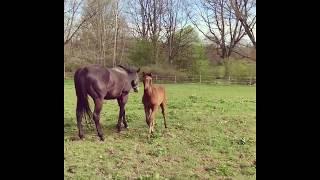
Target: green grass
(211, 135)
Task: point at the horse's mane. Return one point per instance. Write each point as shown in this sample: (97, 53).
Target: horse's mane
(128, 69)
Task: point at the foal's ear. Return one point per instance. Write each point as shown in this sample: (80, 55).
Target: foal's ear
(138, 70)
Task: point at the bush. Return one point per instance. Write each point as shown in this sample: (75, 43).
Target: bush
(141, 53)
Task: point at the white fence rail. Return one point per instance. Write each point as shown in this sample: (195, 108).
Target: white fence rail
(203, 79)
(161, 79)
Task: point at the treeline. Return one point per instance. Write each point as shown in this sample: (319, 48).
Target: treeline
(162, 35)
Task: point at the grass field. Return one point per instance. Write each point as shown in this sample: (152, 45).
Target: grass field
(211, 135)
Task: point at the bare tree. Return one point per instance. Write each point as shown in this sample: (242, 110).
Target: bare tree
(147, 16)
(244, 11)
(96, 41)
(102, 29)
(175, 21)
(73, 19)
(224, 29)
(170, 25)
(137, 11)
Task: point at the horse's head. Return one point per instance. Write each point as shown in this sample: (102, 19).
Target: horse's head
(133, 77)
(147, 80)
(135, 81)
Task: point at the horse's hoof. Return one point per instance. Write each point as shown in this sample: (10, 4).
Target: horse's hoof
(81, 136)
(118, 128)
(101, 138)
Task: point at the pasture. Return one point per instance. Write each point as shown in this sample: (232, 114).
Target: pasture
(211, 135)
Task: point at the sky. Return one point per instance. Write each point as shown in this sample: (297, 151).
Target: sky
(123, 5)
(194, 10)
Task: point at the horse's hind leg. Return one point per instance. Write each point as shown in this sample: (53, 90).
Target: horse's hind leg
(162, 105)
(125, 123)
(96, 116)
(121, 113)
(80, 127)
(122, 102)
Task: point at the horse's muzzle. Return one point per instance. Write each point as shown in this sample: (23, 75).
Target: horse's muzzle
(136, 89)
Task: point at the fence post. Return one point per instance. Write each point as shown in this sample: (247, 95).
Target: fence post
(200, 78)
(175, 79)
(156, 77)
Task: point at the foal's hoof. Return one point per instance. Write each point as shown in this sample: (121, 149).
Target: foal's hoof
(101, 138)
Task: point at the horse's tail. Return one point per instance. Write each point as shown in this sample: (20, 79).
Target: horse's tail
(83, 108)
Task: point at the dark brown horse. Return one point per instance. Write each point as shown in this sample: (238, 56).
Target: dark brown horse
(153, 97)
(103, 83)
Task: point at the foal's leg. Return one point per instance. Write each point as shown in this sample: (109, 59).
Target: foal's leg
(96, 116)
(153, 117)
(150, 122)
(147, 113)
(162, 105)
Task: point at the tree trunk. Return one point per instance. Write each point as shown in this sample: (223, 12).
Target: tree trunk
(115, 35)
(227, 68)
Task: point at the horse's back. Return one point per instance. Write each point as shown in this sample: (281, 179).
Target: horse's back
(93, 78)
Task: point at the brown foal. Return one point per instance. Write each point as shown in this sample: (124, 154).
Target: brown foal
(153, 97)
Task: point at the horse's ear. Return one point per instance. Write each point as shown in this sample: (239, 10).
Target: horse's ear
(138, 70)
(143, 73)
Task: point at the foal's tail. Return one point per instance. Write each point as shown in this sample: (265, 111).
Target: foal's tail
(83, 108)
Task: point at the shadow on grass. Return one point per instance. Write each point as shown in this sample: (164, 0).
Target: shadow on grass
(71, 130)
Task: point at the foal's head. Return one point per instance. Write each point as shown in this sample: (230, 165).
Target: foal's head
(147, 80)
